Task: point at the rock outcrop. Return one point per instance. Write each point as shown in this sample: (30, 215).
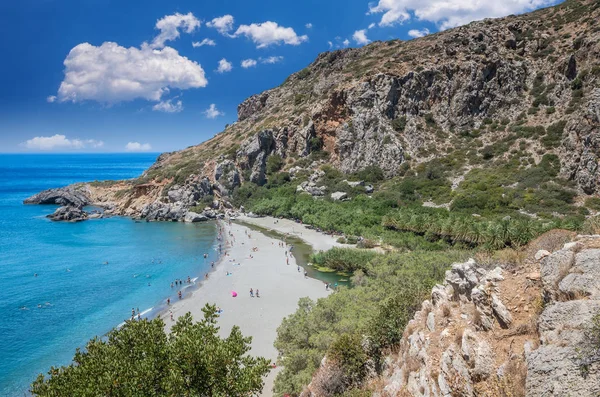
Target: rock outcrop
(572, 291)
(74, 196)
(524, 332)
(69, 213)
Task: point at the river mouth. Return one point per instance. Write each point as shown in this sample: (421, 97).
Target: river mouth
(302, 252)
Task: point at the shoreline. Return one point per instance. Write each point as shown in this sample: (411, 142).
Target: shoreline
(278, 276)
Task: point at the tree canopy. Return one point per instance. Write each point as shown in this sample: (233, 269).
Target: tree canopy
(140, 359)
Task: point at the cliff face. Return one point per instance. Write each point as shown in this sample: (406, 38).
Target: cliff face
(527, 83)
(523, 331)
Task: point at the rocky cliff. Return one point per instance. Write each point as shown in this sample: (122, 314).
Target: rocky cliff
(529, 327)
(513, 88)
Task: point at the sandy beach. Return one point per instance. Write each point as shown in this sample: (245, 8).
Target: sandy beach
(280, 284)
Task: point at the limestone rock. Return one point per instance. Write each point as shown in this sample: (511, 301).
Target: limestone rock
(68, 213)
(339, 196)
(553, 268)
(541, 254)
(72, 196)
(193, 217)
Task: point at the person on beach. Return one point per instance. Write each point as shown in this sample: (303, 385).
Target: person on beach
(139, 317)
(251, 293)
(287, 261)
(179, 294)
(326, 286)
(298, 269)
(305, 274)
(212, 264)
(206, 276)
(171, 313)
(257, 293)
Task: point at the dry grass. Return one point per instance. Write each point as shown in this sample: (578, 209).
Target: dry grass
(458, 337)
(512, 384)
(446, 311)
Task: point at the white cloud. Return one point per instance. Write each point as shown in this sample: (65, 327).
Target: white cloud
(248, 63)
(360, 36)
(451, 13)
(60, 142)
(204, 42)
(371, 26)
(111, 73)
(138, 147)
(308, 25)
(51, 98)
(330, 44)
(224, 66)
(223, 24)
(168, 106)
(418, 33)
(271, 59)
(269, 33)
(346, 43)
(212, 112)
(169, 27)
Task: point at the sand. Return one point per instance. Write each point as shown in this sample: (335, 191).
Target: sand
(280, 285)
(319, 241)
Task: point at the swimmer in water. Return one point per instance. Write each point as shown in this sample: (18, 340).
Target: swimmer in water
(34, 274)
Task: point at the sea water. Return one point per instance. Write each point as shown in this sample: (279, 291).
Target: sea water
(89, 274)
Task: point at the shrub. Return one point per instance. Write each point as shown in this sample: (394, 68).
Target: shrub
(593, 203)
(399, 124)
(139, 359)
(274, 163)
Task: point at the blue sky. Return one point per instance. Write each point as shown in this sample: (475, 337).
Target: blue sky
(111, 76)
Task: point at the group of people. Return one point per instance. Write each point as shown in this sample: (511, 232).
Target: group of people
(180, 282)
(252, 293)
(133, 311)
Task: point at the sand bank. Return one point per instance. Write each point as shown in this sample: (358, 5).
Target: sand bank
(319, 241)
(280, 285)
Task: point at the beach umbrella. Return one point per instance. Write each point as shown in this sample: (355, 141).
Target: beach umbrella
(233, 293)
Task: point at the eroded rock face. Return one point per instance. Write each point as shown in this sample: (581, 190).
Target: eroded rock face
(188, 194)
(227, 176)
(158, 211)
(68, 196)
(571, 282)
(69, 213)
(253, 155)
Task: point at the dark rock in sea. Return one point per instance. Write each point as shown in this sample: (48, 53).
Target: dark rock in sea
(66, 196)
(69, 213)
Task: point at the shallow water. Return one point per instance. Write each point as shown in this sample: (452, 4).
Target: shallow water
(90, 274)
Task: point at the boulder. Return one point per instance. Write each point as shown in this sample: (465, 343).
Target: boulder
(339, 196)
(68, 213)
(193, 217)
(553, 268)
(66, 196)
(158, 211)
(541, 254)
(583, 276)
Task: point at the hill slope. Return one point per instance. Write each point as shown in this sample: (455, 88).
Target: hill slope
(518, 95)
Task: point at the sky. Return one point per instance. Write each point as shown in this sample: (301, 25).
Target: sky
(161, 75)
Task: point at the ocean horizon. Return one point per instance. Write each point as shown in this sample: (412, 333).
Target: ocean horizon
(89, 274)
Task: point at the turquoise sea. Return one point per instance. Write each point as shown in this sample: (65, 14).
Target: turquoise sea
(76, 295)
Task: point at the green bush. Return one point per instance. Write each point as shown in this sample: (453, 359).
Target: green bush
(343, 259)
(274, 163)
(386, 297)
(593, 203)
(399, 124)
(140, 359)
